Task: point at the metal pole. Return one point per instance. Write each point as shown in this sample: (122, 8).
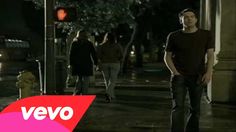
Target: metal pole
(49, 58)
(40, 77)
(205, 14)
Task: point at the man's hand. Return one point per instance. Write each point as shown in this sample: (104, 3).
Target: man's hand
(176, 73)
(206, 77)
(169, 63)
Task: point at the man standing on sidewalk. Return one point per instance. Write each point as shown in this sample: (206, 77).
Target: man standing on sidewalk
(185, 57)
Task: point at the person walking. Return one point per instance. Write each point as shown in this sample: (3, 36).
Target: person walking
(82, 58)
(110, 56)
(185, 57)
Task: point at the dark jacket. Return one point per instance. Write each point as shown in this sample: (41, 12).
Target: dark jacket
(82, 58)
(110, 53)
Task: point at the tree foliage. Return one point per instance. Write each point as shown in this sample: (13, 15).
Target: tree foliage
(96, 16)
(102, 16)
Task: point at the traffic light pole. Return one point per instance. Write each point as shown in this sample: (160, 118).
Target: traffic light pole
(49, 49)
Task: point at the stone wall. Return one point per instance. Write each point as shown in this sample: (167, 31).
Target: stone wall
(224, 76)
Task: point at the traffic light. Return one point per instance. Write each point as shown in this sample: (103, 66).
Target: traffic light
(65, 14)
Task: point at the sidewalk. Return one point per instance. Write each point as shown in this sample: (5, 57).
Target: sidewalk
(149, 77)
(143, 105)
(133, 111)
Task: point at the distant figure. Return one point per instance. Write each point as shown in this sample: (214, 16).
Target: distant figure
(82, 58)
(110, 56)
(185, 57)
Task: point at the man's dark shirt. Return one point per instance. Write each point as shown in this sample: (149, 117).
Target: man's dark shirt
(110, 53)
(189, 50)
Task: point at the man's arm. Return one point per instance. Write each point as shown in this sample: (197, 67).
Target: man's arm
(169, 63)
(210, 61)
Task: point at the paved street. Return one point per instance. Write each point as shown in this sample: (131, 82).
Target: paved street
(148, 110)
(143, 105)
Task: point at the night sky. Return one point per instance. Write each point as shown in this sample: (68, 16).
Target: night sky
(12, 21)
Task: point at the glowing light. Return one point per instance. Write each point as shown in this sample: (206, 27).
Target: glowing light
(61, 14)
(132, 52)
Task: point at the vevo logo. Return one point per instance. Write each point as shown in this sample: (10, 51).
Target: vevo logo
(40, 113)
(44, 113)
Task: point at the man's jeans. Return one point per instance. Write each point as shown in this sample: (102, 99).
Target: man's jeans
(111, 71)
(81, 86)
(179, 87)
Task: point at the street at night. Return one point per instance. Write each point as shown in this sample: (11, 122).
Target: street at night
(37, 38)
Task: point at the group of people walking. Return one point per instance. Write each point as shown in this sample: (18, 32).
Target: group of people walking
(185, 53)
(106, 57)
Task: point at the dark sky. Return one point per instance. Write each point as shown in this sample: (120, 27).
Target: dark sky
(11, 17)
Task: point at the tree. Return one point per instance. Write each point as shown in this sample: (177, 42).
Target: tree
(96, 16)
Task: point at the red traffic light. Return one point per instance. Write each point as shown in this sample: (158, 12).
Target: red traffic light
(66, 14)
(61, 14)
